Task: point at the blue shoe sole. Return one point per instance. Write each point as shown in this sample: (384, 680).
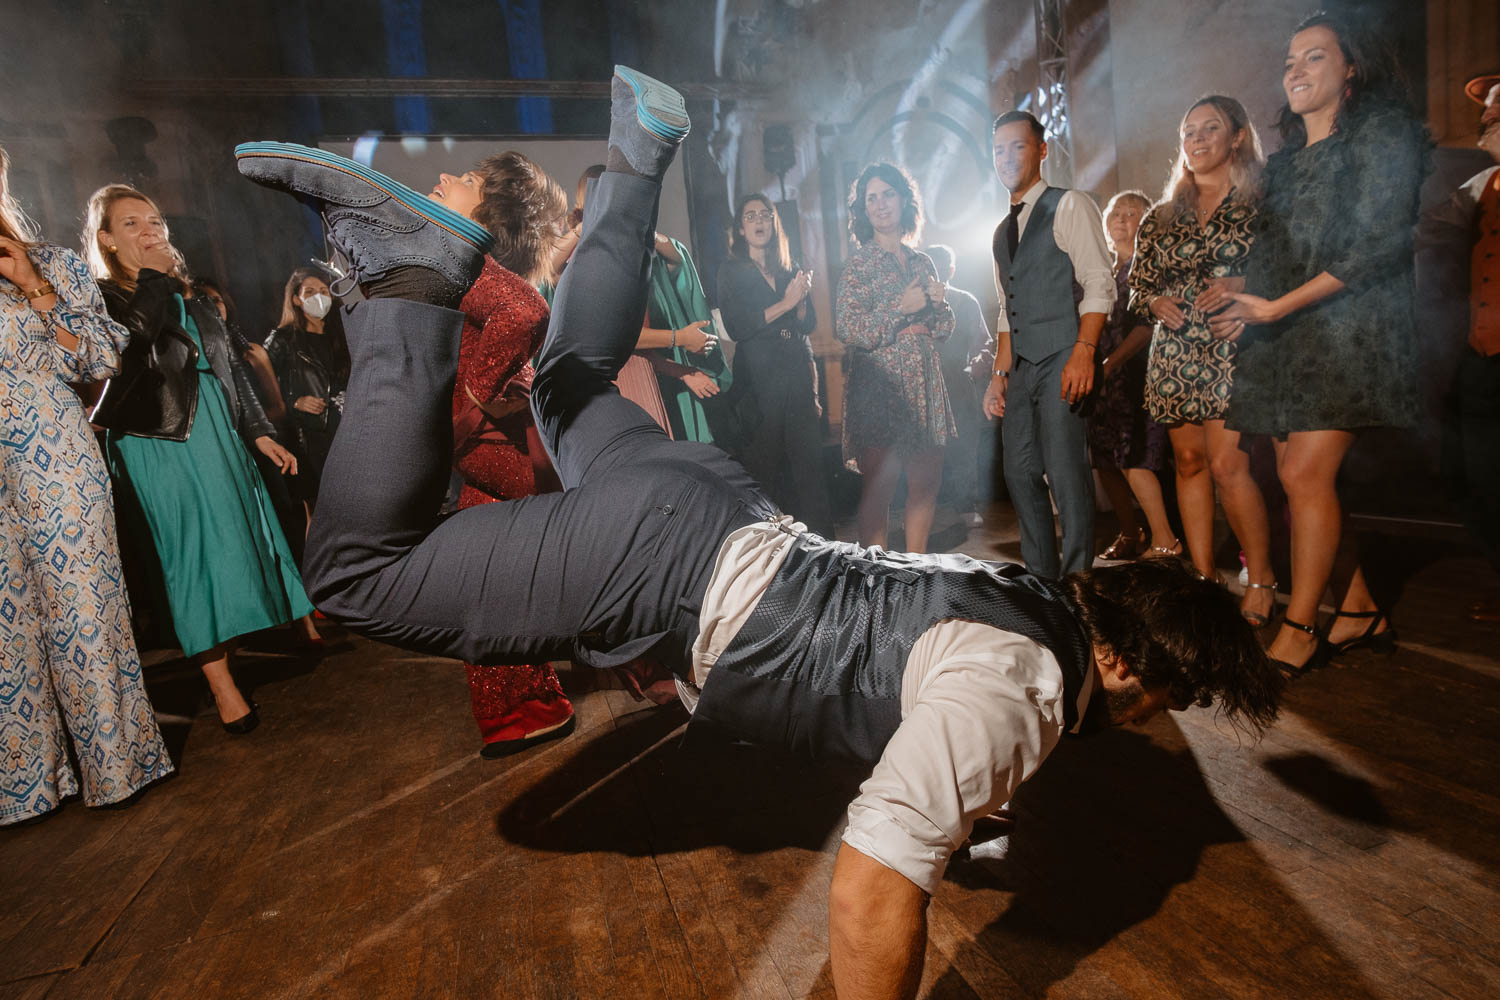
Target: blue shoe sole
(460, 226)
(654, 99)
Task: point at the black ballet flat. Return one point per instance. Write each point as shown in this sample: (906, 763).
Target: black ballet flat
(245, 723)
(1376, 642)
(1322, 653)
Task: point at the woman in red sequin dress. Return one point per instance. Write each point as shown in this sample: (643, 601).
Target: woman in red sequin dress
(495, 446)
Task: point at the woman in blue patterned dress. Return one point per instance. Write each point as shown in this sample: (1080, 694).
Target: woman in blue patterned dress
(68, 659)
(184, 475)
(892, 311)
(1189, 257)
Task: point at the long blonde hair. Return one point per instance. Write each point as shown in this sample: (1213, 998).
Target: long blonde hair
(1245, 163)
(14, 223)
(96, 219)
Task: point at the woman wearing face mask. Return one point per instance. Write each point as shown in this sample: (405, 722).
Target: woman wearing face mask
(892, 310)
(1329, 300)
(768, 313)
(179, 416)
(495, 446)
(68, 658)
(1190, 254)
(311, 360)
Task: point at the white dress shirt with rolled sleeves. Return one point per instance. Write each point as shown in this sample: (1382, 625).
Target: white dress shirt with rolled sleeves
(981, 708)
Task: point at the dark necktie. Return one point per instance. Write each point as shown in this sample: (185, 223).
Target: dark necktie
(1013, 228)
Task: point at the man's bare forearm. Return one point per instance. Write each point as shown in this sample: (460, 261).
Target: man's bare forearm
(877, 929)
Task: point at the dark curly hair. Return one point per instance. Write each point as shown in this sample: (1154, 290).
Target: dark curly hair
(911, 202)
(1181, 632)
(525, 209)
(1377, 78)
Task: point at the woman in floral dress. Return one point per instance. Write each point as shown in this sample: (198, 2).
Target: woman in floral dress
(1189, 257)
(68, 658)
(892, 312)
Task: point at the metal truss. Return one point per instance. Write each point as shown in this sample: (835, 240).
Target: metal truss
(1052, 89)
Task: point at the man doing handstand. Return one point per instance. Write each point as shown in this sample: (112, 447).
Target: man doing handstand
(953, 677)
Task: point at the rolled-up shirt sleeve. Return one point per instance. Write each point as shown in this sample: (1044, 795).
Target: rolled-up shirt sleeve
(1078, 229)
(982, 723)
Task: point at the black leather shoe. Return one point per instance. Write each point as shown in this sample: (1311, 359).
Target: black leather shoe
(376, 223)
(245, 723)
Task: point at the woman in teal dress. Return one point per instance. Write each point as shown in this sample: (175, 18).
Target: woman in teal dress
(68, 659)
(176, 415)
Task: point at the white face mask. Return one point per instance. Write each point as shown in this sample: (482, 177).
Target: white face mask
(317, 304)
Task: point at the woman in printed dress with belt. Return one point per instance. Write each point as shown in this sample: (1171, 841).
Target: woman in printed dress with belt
(1189, 258)
(68, 658)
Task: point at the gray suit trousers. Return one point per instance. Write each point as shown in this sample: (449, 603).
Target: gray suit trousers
(1044, 443)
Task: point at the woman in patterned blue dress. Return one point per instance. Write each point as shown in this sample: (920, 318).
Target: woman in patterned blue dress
(68, 659)
(175, 448)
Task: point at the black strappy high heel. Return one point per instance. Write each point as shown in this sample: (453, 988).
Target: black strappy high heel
(1322, 653)
(1376, 642)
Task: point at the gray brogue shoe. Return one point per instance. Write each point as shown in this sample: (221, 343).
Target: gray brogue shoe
(378, 224)
(648, 121)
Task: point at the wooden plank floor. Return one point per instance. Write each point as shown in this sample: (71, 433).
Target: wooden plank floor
(356, 846)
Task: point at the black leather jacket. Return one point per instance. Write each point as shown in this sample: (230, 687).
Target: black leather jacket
(156, 393)
(300, 373)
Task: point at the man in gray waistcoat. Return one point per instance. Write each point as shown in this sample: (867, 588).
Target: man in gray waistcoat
(1056, 288)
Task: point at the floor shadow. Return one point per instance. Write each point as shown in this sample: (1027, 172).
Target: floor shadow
(180, 695)
(1331, 789)
(702, 792)
(1106, 832)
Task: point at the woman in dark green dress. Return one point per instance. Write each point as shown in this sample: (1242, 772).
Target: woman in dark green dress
(179, 416)
(1329, 304)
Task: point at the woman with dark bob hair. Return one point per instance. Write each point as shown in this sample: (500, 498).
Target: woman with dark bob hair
(768, 313)
(891, 314)
(1329, 305)
(495, 446)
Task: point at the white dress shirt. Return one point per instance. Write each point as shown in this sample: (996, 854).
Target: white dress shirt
(980, 710)
(1078, 229)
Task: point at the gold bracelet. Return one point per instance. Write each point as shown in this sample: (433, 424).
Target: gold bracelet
(41, 291)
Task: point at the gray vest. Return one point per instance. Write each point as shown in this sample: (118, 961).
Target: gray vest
(1041, 297)
(818, 665)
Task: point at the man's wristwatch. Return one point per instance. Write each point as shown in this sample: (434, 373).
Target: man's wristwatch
(1002, 374)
